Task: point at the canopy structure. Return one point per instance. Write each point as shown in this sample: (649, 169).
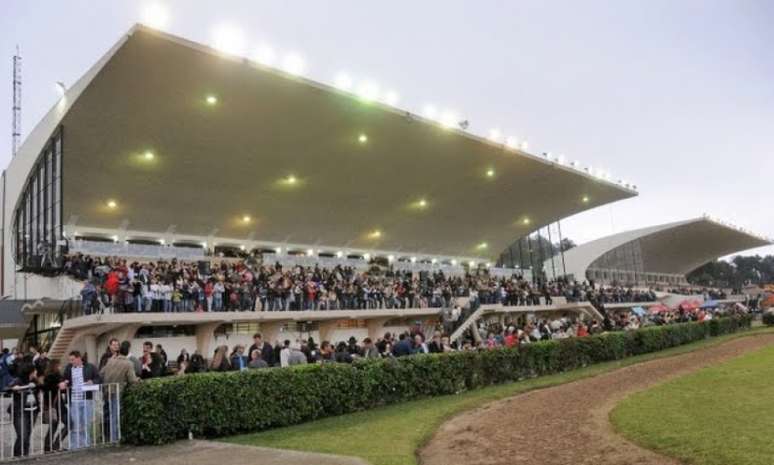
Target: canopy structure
(172, 133)
(658, 254)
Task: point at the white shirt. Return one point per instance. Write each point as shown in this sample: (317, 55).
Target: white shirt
(77, 379)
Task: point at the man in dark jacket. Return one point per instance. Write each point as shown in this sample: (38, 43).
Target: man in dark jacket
(403, 347)
(78, 377)
(267, 352)
(152, 366)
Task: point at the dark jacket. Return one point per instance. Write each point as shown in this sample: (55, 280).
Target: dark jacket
(267, 352)
(90, 373)
(402, 348)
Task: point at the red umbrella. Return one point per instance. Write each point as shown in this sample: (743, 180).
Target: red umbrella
(690, 305)
(658, 308)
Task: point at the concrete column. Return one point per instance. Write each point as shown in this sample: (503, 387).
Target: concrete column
(91, 348)
(205, 338)
(376, 327)
(271, 331)
(326, 329)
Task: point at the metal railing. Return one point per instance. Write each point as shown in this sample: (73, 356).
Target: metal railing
(35, 421)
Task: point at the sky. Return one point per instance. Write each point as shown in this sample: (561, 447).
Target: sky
(676, 97)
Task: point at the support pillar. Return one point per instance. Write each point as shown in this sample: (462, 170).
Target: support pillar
(205, 338)
(376, 327)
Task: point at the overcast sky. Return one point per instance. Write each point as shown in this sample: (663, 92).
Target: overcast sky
(675, 96)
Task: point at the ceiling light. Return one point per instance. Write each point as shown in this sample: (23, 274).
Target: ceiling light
(162, 241)
(489, 264)
(149, 155)
(291, 180)
(422, 203)
(229, 39)
(454, 262)
(434, 261)
(242, 247)
(526, 221)
(309, 252)
(204, 245)
(155, 16)
(482, 246)
(265, 55)
(278, 250)
(339, 254)
(115, 238)
(246, 219)
(391, 258)
(343, 81)
(367, 256)
(490, 173)
(211, 100)
(472, 264)
(585, 199)
(375, 234)
(413, 259)
(112, 204)
(293, 64)
(362, 138)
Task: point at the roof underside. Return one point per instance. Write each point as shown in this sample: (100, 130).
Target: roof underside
(214, 164)
(679, 248)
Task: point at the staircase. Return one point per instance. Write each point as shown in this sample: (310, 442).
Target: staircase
(472, 319)
(64, 338)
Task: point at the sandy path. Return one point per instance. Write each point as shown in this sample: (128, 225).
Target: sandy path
(568, 424)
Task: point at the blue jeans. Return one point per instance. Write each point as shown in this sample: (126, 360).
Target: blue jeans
(81, 415)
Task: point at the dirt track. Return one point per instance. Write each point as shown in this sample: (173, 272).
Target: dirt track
(567, 424)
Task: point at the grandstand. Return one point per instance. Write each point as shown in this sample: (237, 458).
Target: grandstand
(659, 255)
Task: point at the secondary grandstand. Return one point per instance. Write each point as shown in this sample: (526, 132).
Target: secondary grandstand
(169, 149)
(659, 255)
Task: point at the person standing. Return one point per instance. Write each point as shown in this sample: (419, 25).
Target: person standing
(24, 406)
(117, 373)
(78, 376)
(152, 365)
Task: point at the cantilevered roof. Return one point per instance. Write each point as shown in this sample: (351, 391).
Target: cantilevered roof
(288, 153)
(673, 248)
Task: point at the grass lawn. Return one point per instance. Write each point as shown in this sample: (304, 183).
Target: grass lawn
(720, 415)
(391, 435)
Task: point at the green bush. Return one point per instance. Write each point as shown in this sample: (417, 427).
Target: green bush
(220, 404)
(768, 318)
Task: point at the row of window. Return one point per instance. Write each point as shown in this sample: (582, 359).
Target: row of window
(38, 216)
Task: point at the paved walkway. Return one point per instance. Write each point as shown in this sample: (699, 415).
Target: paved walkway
(192, 453)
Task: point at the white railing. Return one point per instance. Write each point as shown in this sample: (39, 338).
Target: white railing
(37, 422)
(136, 250)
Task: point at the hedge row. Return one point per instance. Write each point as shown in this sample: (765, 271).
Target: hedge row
(768, 318)
(220, 404)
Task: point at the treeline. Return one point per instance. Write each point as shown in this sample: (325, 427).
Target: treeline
(741, 270)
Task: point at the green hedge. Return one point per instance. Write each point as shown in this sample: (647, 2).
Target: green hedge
(220, 404)
(768, 318)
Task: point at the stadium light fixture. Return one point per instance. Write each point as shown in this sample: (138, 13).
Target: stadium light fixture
(368, 91)
(391, 98)
(228, 38)
(343, 81)
(512, 142)
(429, 112)
(211, 100)
(265, 55)
(112, 204)
(362, 138)
(293, 64)
(448, 120)
(155, 15)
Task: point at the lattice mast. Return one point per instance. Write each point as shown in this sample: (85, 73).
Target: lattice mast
(17, 98)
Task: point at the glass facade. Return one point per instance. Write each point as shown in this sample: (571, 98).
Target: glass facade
(37, 219)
